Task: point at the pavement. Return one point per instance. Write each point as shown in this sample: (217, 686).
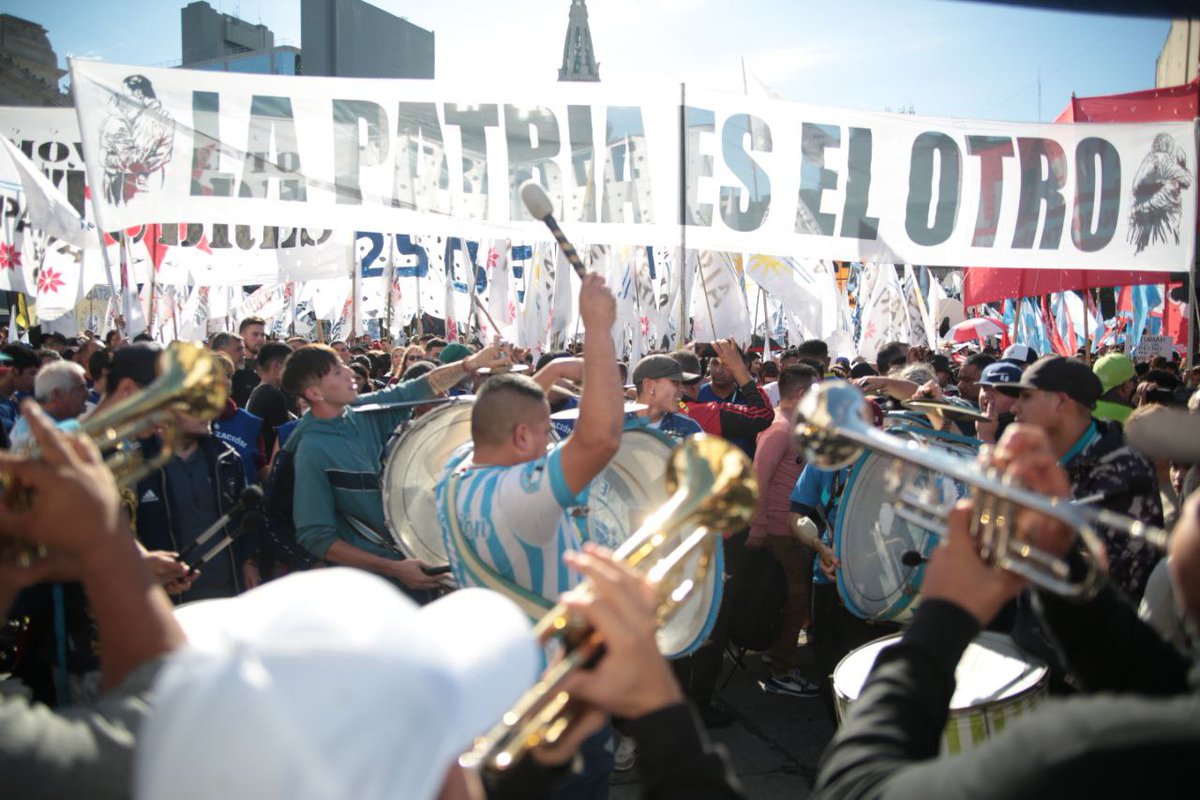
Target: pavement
(775, 744)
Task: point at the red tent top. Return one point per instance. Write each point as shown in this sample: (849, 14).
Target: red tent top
(1149, 105)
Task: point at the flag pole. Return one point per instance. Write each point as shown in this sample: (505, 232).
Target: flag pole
(681, 332)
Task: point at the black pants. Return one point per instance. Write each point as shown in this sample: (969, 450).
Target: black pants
(833, 633)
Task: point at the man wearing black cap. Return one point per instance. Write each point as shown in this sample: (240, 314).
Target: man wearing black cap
(1058, 395)
(16, 382)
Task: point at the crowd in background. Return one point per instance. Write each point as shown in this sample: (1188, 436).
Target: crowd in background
(1079, 407)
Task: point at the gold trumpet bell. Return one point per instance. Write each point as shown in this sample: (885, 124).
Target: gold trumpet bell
(190, 379)
(713, 490)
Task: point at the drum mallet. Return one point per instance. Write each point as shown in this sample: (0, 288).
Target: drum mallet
(539, 205)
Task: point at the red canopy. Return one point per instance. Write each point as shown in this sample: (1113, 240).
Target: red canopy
(1170, 103)
(985, 285)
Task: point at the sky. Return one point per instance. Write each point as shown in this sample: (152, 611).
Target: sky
(939, 57)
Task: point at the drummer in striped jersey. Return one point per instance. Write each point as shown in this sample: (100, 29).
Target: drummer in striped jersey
(510, 508)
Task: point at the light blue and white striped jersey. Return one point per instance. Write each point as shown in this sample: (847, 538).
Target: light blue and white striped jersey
(518, 520)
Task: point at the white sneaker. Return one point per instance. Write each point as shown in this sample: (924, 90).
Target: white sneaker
(791, 683)
(625, 756)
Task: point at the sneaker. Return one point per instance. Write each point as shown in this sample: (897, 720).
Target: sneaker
(791, 682)
(625, 755)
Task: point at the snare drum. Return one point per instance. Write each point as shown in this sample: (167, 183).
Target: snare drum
(995, 683)
(870, 538)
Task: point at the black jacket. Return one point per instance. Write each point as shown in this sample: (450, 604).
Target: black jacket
(156, 527)
(675, 758)
(1137, 735)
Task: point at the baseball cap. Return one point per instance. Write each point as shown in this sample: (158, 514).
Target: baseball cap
(1000, 373)
(1060, 374)
(1020, 354)
(660, 366)
(1113, 370)
(138, 361)
(689, 362)
(453, 352)
(330, 683)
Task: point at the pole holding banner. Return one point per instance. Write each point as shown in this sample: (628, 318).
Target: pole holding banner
(681, 331)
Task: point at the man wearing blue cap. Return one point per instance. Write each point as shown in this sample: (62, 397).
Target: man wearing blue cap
(997, 396)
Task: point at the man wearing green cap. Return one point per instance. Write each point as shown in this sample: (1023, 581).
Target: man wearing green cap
(1118, 379)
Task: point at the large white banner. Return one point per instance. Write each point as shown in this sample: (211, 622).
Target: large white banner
(179, 250)
(635, 165)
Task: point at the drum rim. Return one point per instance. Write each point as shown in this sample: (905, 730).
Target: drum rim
(1037, 665)
(902, 607)
(907, 600)
(417, 424)
(714, 606)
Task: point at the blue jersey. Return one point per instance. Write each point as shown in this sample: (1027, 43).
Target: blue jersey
(818, 488)
(519, 520)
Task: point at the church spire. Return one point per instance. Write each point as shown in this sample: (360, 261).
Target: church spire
(579, 62)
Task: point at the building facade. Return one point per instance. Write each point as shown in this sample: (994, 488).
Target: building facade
(1179, 60)
(29, 72)
(353, 39)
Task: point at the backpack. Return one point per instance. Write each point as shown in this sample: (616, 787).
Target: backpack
(277, 503)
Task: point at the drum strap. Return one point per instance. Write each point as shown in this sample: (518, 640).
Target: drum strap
(480, 572)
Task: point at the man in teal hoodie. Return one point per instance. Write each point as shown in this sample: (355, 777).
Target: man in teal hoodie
(337, 451)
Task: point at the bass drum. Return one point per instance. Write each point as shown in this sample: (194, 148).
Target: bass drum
(630, 489)
(994, 684)
(870, 537)
(416, 455)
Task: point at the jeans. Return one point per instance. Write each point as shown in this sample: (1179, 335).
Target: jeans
(592, 782)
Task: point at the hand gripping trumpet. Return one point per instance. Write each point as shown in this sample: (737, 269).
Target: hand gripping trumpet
(713, 491)
(834, 427)
(189, 379)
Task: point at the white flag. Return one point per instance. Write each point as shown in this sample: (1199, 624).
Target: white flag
(719, 299)
(562, 306)
(885, 315)
(48, 210)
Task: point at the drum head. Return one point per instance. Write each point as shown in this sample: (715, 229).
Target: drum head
(870, 538)
(630, 488)
(992, 670)
(415, 460)
(693, 621)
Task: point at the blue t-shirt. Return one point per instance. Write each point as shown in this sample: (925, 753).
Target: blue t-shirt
(816, 488)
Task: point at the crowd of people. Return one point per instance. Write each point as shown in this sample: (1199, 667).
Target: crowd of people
(311, 657)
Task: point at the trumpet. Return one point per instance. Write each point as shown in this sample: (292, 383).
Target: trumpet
(833, 427)
(189, 379)
(713, 489)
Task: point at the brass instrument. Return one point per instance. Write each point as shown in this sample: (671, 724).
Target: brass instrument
(834, 427)
(189, 379)
(713, 490)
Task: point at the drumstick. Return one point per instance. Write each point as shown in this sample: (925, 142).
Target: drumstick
(539, 205)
